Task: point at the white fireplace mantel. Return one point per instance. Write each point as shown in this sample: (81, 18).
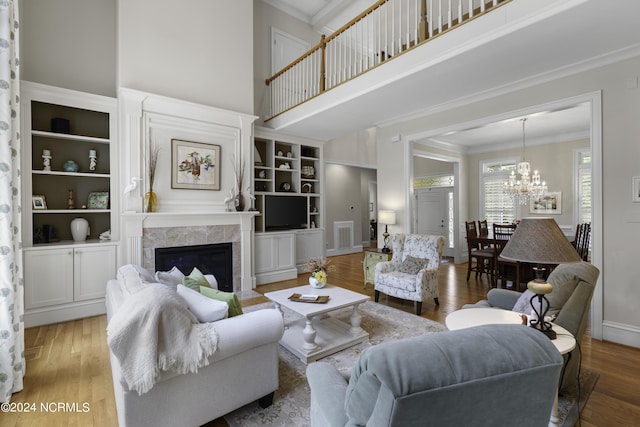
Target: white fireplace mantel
(134, 223)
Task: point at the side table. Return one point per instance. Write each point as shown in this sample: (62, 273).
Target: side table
(371, 258)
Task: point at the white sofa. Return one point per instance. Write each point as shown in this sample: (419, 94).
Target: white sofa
(243, 369)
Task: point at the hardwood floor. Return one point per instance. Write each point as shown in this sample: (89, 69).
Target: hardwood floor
(69, 362)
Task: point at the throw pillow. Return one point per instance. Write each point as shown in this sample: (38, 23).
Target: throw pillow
(523, 304)
(564, 281)
(412, 265)
(205, 309)
(213, 282)
(172, 277)
(195, 280)
(230, 298)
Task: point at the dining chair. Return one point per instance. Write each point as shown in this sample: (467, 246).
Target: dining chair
(482, 255)
(483, 228)
(501, 235)
(581, 240)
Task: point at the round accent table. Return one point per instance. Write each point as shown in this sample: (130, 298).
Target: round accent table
(470, 317)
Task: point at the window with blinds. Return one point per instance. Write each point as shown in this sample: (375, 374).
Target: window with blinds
(583, 191)
(495, 206)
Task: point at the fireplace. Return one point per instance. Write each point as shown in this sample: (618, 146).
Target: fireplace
(216, 259)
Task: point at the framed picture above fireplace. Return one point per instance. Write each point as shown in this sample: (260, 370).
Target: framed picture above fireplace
(195, 165)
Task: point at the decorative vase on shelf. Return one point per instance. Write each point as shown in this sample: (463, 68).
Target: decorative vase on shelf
(79, 229)
(239, 202)
(150, 202)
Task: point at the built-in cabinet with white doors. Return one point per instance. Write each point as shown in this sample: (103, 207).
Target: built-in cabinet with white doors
(275, 257)
(69, 171)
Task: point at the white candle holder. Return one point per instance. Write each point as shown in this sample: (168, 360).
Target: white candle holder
(46, 160)
(93, 160)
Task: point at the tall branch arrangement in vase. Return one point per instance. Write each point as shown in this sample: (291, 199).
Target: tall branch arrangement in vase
(238, 170)
(150, 199)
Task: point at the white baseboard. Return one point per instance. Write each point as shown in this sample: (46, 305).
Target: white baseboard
(276, 276)
(621, 333)
(344, 251)
(64, 313)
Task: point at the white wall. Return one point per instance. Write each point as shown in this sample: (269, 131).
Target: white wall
(621, 151)
(189, 50)
(430, 167)
(69, 44)
(199, 50)
(358, 149)
(266, 17)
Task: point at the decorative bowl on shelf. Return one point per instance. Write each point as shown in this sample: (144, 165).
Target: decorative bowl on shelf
(70, 166)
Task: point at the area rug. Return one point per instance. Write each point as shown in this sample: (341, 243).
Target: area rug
(292, 400)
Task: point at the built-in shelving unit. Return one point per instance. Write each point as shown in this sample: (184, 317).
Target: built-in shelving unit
(68, 158)
(287, 166)
(89, 129)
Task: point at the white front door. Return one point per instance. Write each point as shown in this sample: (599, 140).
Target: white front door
(432, 214)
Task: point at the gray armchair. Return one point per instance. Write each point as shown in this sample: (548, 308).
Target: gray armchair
(439, 380)
(573, 286)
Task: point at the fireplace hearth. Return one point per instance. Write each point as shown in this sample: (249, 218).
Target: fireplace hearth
(215, 258)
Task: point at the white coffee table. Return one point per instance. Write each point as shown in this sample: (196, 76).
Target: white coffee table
(469, 317)
(317, 335)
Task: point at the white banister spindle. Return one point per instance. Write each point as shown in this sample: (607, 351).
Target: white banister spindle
(343, 57)
(416, 34)
(439, 16)
(430, 16)
(306, 77)
(408, 21)
(460, 14)
(481, 6)
(352, 50)
(393, 29)
(449, 17)
(361, 46)
(386, 29)
(470, 8)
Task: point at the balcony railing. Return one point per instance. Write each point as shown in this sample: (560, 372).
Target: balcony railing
(380, 33)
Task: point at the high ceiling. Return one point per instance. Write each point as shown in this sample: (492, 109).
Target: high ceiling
(548, 38)
(324, 16)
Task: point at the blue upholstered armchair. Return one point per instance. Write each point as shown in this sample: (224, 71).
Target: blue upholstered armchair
(570, 300)
(493, 375)
(412, 273)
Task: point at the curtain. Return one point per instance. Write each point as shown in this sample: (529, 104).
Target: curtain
(12, 364)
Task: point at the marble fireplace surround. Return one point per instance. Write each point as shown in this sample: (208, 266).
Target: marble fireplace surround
(143, 232)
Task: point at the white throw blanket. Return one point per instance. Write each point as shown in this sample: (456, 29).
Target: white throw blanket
(154, 331)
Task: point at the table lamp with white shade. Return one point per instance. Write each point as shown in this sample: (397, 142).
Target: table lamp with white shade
(540, 241)
(387, 218)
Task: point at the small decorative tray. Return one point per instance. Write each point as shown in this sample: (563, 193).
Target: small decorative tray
(318, 299)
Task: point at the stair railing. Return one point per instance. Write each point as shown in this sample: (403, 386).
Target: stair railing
(383, 31)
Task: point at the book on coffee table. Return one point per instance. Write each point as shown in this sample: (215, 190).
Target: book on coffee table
(320, 299)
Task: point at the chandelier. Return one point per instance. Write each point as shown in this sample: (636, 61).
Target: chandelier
(527, 187)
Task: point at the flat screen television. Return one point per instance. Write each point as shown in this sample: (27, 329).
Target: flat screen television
(285, 212)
